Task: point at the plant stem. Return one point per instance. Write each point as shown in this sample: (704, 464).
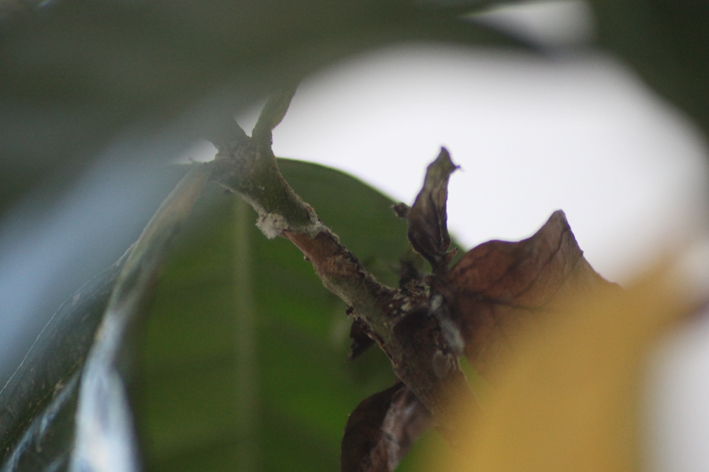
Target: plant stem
(405, 323)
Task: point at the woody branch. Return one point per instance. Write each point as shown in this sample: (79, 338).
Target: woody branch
(405, 323)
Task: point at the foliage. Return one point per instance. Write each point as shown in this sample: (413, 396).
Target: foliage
(220, 348)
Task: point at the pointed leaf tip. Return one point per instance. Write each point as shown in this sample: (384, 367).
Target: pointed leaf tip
(428, 219)
(499, 286)
(443, 166)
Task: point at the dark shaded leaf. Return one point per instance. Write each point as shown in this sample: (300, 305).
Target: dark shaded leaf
(58, 352)
(104, 435)
(499, 286)
(381, 429)
(428, 229)
(193, 390)
(89, 410)
(667, 44)
(47, 443)
(411, 267)
(76, 73)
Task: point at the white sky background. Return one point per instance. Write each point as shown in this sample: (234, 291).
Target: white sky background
(531, 136)
(577, 132)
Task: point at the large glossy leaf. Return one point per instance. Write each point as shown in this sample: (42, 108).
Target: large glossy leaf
(66, 404)
(39, 400)
(76, 73)
(244, 355)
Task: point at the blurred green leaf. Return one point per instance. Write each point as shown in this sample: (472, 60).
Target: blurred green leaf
(39, 400)
(667, 43)
(66, 403)
(104, 433)
(201, 395)
(77, 73)
(242, 357)
(294, 382)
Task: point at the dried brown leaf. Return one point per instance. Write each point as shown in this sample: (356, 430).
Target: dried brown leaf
(571, 397)
(428, 231)
(381, 429)
(499, 286)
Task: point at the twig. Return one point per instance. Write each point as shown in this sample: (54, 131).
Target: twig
(406, 323)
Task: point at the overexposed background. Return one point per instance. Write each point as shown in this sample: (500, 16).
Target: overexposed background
(531, 135)
(577, 132)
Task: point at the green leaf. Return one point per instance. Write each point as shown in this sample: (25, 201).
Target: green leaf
(244, 354)
(104, 433)
(242, 357)
(667, 44)
(34, 429)
(72, 400)
(77, 73)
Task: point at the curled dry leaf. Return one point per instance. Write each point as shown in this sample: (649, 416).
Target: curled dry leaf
(381, 429)
(428, 231)
(585, 412)
(499, 286)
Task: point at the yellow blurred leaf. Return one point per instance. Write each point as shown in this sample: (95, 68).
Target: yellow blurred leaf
(568, 399)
